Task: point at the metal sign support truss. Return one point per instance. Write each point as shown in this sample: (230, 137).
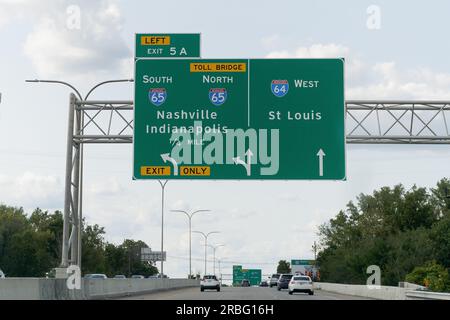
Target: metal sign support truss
(367, 122)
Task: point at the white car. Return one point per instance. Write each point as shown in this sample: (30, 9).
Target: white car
(209, 282)
(95, 276)
(2, 275)
(301, 284)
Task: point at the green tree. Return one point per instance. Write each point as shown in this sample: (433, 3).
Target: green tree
(431, 275)
(393, 228)
(13, 227)
(404, 251)
(441, 197)
(440, 238)
(42, 221)
(116, 260)
(93, 250)
(31, 246)
(134, 263)
(283, 267)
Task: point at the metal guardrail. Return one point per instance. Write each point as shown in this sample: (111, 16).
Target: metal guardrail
(383, 292)
(426, 295)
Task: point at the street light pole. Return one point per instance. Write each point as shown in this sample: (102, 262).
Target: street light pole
(206, 242)
(220, 272)
(190, 215)
(214, 255)
(163, 187)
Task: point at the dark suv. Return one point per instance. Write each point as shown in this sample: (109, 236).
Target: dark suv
(283, 282)
(245, 283)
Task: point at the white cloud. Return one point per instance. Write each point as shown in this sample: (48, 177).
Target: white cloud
(95, 50)
(391, 82)
(181, 205)
(383, 80)
(31, 190)
(107, 187)
(271, 41)
(314, 51)
(11, 10)
(237, 213)
(291, 197)
(354, 65)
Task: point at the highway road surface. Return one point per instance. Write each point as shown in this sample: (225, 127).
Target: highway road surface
(246, 293)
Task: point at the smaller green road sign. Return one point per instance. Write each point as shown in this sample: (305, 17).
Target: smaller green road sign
(302, 262)
(167, 45)
(254, 276)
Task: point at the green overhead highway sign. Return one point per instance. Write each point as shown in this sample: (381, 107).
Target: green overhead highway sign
(239, 119)
(166, 45)
(254, 276)
(303, 262)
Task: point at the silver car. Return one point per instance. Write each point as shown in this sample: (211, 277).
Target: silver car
(274, 280)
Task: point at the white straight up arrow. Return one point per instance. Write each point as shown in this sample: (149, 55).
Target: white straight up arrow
(321, 154)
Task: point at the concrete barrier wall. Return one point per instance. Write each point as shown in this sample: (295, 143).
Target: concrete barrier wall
(95, 289)
(28, 288)
(383, 293)
(56, 289)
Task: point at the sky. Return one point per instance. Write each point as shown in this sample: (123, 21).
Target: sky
(403, 54)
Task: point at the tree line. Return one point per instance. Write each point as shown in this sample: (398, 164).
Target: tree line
(30, 246)
(404, 232)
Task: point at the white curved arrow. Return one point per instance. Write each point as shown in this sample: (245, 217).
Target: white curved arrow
(247, 165)
(166, 157)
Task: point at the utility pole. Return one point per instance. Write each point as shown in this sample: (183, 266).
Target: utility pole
(314, 247)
